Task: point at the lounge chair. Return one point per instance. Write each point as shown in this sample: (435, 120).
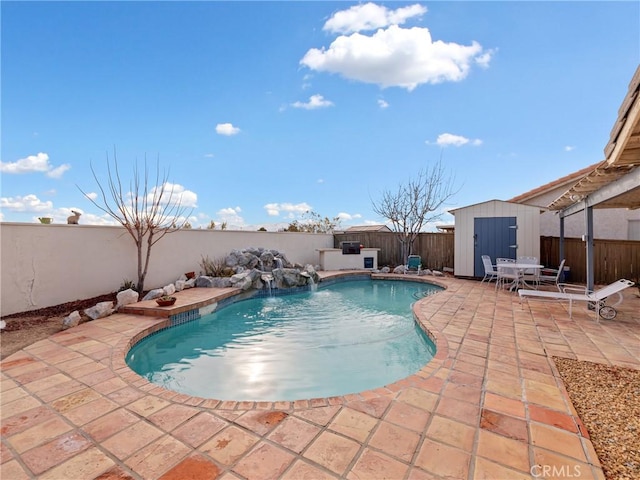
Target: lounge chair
(597, 298)
(414, 263)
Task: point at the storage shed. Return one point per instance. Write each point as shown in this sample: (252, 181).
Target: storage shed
(495, 228)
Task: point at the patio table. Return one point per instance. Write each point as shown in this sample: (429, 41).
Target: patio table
(520, 268)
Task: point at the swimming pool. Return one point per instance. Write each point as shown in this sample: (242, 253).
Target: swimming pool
(344, 338)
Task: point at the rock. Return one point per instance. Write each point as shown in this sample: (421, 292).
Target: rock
(221, 282)
(385, 270)
(180, 285)
(426, 271)
(153, 294)
(436, 273)
(126, 297)
(203, 281)
(100, 310)
(242, 281)
(72, 320)
(169, 289)
(400, 269)
(190, 283)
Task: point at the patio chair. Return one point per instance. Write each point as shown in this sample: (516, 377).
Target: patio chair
(531, 275)
(596, 298)
(550, 276)
(506, 273)
(490, 272)
(414, 263)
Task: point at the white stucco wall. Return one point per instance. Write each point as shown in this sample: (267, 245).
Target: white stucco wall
(608, 223)
(527, 234)
(45, 265)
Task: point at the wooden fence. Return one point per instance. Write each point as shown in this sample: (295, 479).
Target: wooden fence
(436, 249)
(613, 259)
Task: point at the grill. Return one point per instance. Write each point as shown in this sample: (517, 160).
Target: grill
(350, 248)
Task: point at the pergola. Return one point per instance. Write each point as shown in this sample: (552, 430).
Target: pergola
(615, 182)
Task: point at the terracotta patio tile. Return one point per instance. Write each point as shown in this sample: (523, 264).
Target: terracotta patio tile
(195, 467)
(503, 450)
(294, 434)
(89, 464)
(55, 452)
(38, 374)
(508, 406)
(90, 411)
(353, 424)
(465, 412)
(158, 457)
(170, 417)
(432, 458)
(419, 398)
(102, 428)
(147, 405)
(372, 464)
(488, 470)
(395, 441)
(333, 452)
(549, 460)
(128, 441)
(407, 416)
(419, 474)
(22, 421)
(320, 416)
(229, 445)
(265, 461)
(376, 407)
(18, 406)
(125, 395)
(115, 473)
(468, 393)
(451, 432)
(304, 471)
(504, 425)
(261, 422)
(557, 440)
(13, 471)
(75, 400)
(38, 434)
(552, 417)
(544, 395)
(199, 429)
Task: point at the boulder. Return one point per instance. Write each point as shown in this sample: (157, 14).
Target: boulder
(169, 289)
(180, 285)
(221, 282)
(203, 281)
(126, 297)
(385, 270)
(400, 269)
(100, 310)
(242, 280)
(72, 320)
(153, 294)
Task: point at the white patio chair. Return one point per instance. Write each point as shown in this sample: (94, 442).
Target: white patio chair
(490, 272)
(531, 275)
(553, 276)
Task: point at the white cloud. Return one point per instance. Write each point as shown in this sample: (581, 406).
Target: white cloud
(274, 209)
(345, 217)
(209, 155)
(569, 148)
(315, 101)
(227, 129)
(449, 139)
(382, 104)
(231, 216)
(370, 16)
(28, 203)
(34, 163)
(392, 55)
(92, 195)
(176, 194)
(320, 180)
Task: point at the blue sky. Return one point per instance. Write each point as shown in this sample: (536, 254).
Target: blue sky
(264, 110)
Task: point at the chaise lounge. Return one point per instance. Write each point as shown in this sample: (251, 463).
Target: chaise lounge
(597, 298)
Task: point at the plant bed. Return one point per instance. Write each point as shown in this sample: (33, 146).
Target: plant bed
(165, 301)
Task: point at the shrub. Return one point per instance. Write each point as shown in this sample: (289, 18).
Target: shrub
(126, 285)
(215, 267)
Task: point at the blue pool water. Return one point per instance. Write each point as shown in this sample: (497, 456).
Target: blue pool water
(345, 338)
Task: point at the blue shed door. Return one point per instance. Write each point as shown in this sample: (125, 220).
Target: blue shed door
(493, 236)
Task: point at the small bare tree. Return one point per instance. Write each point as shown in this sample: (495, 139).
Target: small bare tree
(147, 212)
(414, 205)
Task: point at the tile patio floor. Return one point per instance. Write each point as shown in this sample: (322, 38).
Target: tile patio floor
(489, 406)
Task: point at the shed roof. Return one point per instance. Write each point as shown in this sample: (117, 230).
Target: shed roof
(369, 228)
(515, 204)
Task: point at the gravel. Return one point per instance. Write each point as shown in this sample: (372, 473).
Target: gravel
(607, 399)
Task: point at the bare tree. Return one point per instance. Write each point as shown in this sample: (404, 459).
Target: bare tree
(414, 205)
(147, 212)
(314, 223)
